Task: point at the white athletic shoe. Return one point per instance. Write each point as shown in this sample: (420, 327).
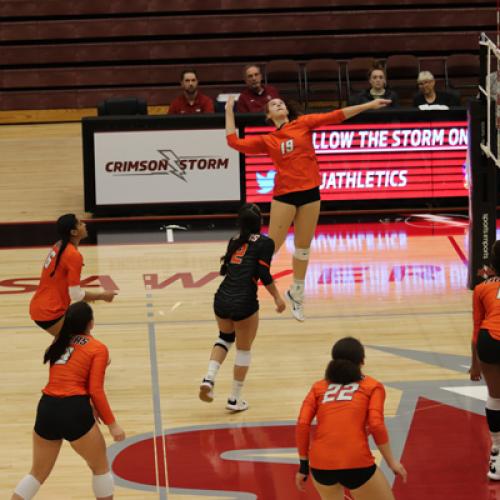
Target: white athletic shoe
(207, 390)
(494, 472)
(297, 307)
(236, 405)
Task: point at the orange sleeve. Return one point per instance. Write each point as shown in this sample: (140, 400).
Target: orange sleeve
(316, 119)
(303, 427)
(248, 145)
(74, 265)
(478, 313)
(376, 425)
(96, 384)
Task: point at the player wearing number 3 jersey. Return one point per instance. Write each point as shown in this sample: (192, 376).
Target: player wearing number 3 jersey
(60, 280)
(72, 400)
(296, 192)
(247, 260)
(347, 405)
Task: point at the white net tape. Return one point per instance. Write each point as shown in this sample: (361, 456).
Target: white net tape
(491, 89)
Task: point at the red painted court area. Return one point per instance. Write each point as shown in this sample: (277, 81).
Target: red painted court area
(445, 455)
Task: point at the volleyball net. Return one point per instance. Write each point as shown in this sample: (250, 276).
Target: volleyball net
(483, 161)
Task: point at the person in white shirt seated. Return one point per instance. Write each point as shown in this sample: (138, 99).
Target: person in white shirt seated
(430, 98)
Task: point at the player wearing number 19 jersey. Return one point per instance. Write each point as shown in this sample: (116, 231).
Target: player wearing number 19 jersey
(296, 196)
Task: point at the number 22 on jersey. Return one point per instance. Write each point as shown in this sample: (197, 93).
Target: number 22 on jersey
(338, 392)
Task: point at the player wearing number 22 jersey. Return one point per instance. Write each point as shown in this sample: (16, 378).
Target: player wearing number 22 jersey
(346, 414)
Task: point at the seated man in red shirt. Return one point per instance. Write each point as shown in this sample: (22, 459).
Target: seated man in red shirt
(255, 97)
(191, 100)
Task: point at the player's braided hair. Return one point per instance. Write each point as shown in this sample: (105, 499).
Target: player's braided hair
(250, 221)
(77, 318)
(348, 354)
(65, 224)
(495, 257)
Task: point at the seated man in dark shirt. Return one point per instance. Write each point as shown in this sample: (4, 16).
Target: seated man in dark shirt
(429, 98)
(191, 100)
(378, 88)
(255, 97)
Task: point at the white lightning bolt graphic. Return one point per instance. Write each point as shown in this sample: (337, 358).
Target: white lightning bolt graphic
(173, 163)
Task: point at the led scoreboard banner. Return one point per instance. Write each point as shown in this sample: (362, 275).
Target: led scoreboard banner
(390, 158)
(370, 160)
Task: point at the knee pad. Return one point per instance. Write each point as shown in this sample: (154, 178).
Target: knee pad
(27, 487)
(243, 358)
(225, 340)
(302, 253)
(103, 485)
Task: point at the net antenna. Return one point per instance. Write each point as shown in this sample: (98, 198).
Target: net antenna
(482, 163)
(490, 89)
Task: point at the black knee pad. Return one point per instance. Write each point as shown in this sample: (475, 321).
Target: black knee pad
(226, 340)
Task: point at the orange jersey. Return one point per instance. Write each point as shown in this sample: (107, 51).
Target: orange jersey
(51, 298)
(486, 308)
(291, 150)
(80, 371)
(345, 415)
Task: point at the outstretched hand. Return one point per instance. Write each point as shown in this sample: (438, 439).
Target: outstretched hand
(380, 103)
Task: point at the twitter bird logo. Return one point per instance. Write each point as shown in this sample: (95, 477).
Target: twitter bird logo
(266, 181)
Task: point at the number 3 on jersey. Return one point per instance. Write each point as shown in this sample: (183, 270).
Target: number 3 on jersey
(338, 392)
(287, 147)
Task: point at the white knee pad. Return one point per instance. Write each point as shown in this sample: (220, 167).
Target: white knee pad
(493, 403)
(243, 358)
(302, 253)
(27, 487)
(103, 485)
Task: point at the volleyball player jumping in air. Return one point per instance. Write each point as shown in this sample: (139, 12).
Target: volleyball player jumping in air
(236, 306)
(296, 197)
(60, 279)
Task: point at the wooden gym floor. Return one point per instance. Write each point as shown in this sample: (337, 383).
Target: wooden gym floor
(397, 285)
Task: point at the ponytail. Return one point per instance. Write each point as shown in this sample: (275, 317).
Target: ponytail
(77, 319)
(342, 371)
(348, 354)
(65, 224)
(249, 220)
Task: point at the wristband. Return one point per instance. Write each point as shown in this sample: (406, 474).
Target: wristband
(304, 467)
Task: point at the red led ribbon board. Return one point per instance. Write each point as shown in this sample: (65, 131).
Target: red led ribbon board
(377, 161)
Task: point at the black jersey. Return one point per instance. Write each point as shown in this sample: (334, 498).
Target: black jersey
(248, 264)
